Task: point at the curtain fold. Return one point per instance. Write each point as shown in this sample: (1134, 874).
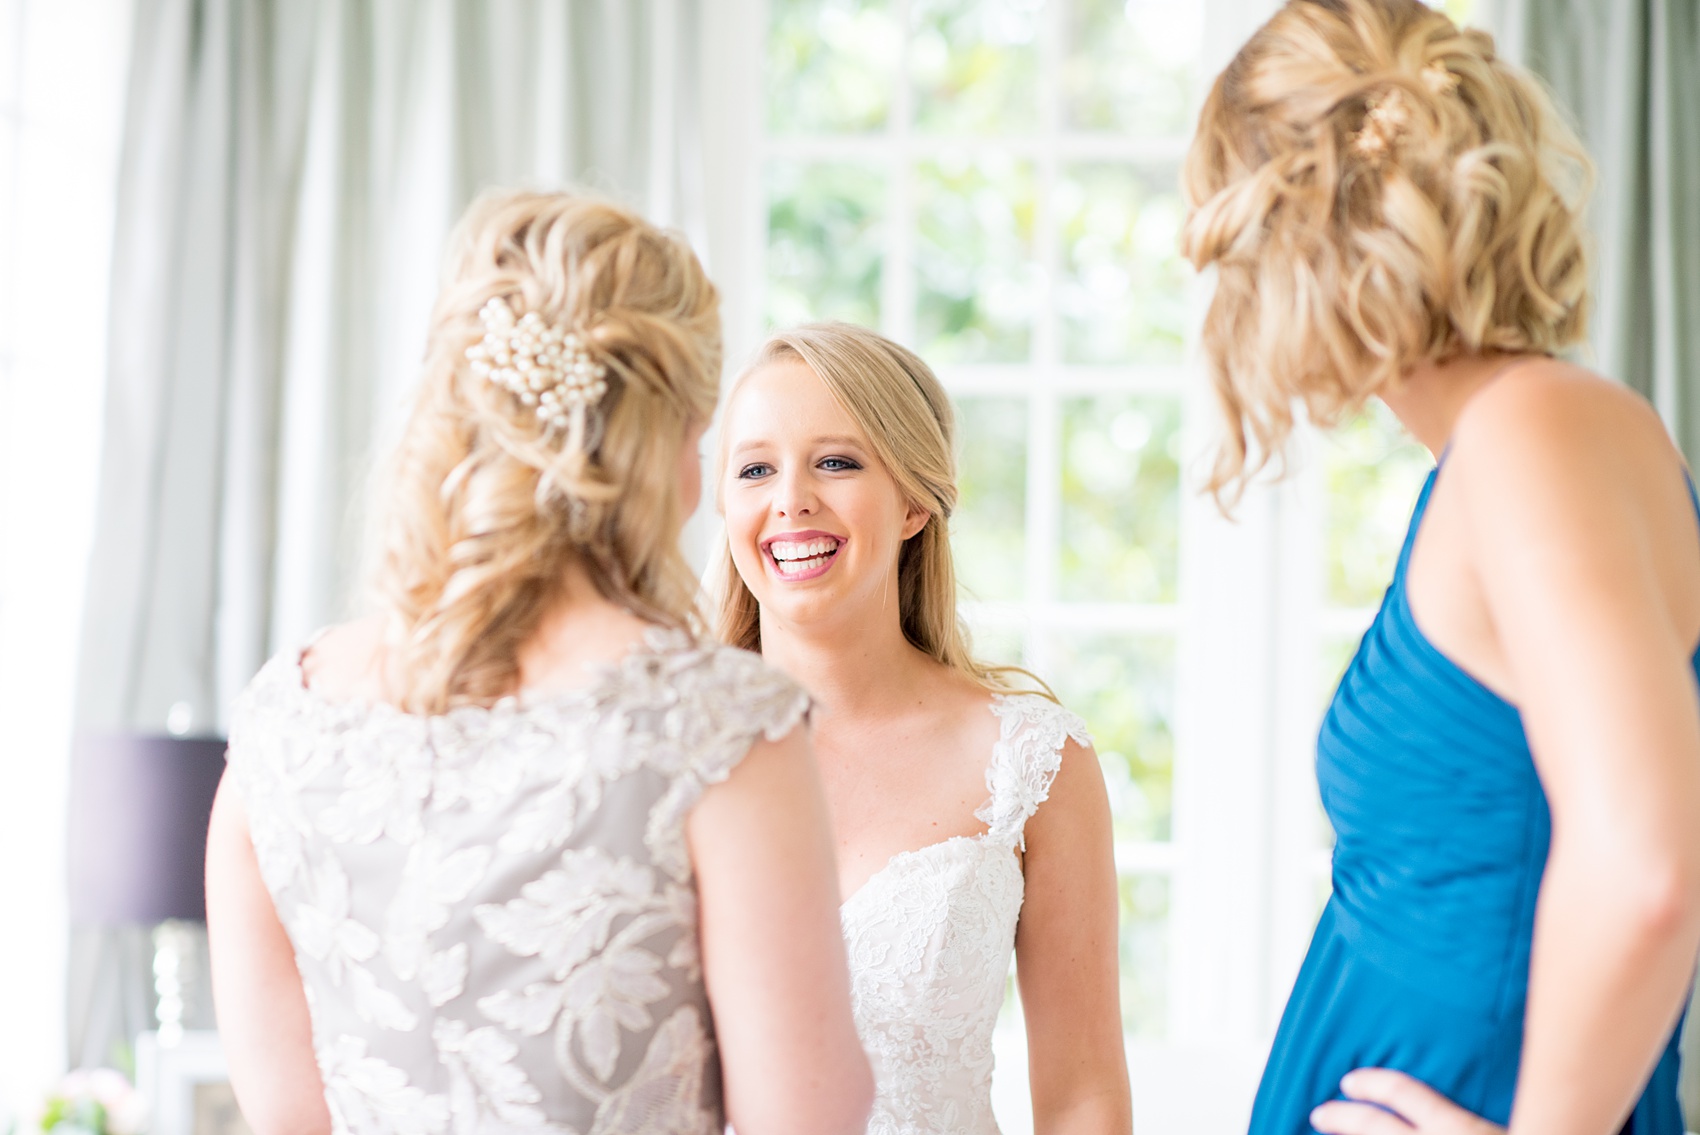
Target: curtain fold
(1629, 73)
(290, 170)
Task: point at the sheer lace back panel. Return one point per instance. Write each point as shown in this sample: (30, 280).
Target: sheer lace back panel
(493, 910)
(931, 935)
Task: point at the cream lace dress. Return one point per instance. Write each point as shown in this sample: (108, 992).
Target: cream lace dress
(931, 935)
(493, 910)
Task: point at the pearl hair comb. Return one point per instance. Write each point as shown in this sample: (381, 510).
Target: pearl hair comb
(1388, 115)
(542, 366)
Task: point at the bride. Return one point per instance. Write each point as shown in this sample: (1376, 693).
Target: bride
(971, 819)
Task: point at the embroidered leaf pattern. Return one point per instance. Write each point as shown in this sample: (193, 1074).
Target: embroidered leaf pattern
(492, 909)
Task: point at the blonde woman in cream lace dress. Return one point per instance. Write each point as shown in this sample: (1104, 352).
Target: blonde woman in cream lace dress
(971, 819)
(520, 853)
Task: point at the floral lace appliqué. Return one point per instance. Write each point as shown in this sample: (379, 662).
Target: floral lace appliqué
(931, 936)
(493, 910)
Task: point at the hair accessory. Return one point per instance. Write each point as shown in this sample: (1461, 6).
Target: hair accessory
(1384, 121)
(541, 365)
(1439, 78)
(1389, 114)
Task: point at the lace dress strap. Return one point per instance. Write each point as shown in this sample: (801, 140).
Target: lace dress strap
(741, 700)
(1025, 761)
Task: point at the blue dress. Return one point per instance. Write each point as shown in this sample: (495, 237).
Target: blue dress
(1421, 959)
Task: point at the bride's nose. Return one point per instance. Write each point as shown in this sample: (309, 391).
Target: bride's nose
(796, 497)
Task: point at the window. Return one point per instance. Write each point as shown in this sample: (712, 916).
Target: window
(987, 181)
(994, 183)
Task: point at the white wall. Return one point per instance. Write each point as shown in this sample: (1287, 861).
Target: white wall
(71, 60)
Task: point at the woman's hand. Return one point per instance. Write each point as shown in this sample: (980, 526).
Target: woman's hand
(1406, 1105)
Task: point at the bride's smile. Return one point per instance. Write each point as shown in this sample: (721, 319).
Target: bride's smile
(814, 521)
(966, 805)
(804, 555)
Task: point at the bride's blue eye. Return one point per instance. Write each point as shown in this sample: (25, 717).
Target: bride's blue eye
(838, 464)
(751, 472)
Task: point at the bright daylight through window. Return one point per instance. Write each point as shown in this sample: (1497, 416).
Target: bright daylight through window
(995, 183)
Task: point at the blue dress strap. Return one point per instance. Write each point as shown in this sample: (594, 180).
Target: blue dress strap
(1416, 521)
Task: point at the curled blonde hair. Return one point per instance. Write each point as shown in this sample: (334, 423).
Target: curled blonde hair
(1375, 188)
(483, 508)
(901, 407)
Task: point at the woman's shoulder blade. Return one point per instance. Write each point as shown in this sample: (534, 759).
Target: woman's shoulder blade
(1550, 409)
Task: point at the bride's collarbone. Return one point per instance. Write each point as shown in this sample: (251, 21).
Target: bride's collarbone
(897, 789)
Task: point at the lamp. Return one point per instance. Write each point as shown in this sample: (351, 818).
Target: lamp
(138, 839)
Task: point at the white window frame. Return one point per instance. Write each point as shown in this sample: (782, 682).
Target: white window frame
(1244, 858)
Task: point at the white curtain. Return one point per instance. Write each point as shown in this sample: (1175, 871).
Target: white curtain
(291, 169)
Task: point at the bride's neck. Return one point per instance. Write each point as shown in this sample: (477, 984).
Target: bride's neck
(851, 668)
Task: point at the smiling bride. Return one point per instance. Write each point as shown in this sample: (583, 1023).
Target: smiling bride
(971, 819)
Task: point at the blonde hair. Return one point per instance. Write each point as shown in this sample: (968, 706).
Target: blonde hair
(483, 508)
(1376, 188)
(903, 410)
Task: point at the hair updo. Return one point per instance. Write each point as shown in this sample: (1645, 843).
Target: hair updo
(485, 504)
(1375, 189)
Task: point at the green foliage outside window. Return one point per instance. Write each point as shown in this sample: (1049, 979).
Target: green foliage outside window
(977, 280)
(1121, 499)
(824, 242)
(975, 65)
(1124, 290)
(830, 65)
(1144, 953)
(989, 530)
(1132, 66)
(1372, 471)
(1123, 685)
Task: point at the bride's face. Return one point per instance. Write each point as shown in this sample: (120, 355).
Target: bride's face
(815, 522)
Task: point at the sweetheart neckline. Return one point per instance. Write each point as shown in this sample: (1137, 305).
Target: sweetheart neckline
(914, 853)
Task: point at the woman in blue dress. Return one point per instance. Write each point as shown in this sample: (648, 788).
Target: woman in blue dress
(1512, 760)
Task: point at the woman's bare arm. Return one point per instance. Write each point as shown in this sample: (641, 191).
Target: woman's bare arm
(772, 950)
(1571, 549)
(1564, 540)
(1066, 959)
(262, 1011)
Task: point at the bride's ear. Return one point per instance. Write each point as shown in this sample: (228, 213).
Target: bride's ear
(914, 520)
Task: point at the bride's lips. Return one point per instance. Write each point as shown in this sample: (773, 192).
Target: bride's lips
(812, 547)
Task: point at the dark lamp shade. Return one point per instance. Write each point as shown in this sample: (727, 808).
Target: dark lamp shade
(138, 827)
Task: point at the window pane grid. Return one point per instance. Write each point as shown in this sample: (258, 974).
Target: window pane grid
(1148, 152)
(1129, 618)
(1065, 379)
(1000, 254)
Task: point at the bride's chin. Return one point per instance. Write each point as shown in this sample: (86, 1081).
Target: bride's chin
(817, 612)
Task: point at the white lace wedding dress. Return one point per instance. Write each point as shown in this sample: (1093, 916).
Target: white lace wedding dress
(931, 934)
(493, 910)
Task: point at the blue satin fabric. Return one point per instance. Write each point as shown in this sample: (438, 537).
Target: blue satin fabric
(1421, 959)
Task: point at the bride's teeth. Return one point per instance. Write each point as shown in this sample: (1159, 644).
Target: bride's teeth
(797, 567)
(794, 550)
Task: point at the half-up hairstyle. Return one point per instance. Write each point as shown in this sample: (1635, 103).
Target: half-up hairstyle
(1375, 188)
(907, 417)
(485, 506)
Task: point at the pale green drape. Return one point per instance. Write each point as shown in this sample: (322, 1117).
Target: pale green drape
(290, 171)
(1628, 71)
